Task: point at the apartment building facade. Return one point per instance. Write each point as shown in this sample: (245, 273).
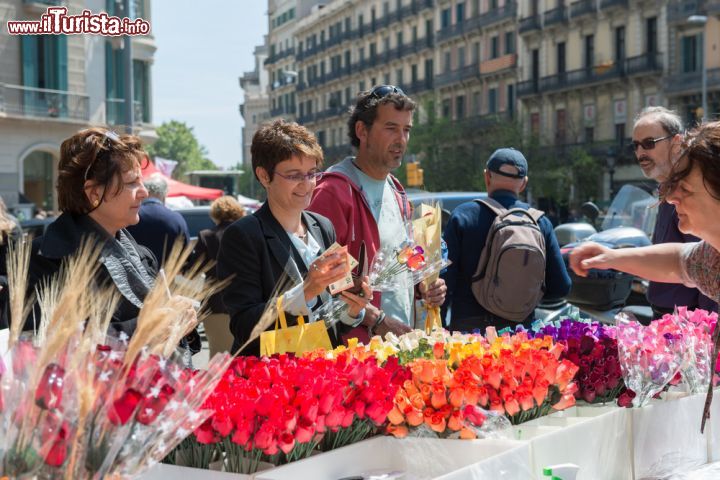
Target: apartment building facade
(51, 86)
(254, 108)
(573, 73)
(693, 44)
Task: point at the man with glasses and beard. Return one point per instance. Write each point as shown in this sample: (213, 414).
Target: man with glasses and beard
(656, 139)
(367, 204)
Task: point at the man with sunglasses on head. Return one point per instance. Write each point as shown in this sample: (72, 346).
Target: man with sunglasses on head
(657, 136)
(367, 204)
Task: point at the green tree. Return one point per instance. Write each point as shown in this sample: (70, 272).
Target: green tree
(176, 141)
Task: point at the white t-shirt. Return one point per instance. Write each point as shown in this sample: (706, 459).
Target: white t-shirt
(380, 196)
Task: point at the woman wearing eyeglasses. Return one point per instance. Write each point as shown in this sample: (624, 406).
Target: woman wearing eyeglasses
(694, 189)
(99, 190)
(281, 240)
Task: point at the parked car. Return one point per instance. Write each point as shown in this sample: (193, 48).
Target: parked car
(197, 218)
(36, 227)
(449, 201)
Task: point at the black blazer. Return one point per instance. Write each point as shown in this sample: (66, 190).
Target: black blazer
(256, 249)
(207, 247)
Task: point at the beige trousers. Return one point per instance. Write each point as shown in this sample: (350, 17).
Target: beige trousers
(217, 330)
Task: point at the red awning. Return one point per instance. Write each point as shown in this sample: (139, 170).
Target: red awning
(180, 189)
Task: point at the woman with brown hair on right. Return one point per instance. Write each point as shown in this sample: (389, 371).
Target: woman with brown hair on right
(223, 211)
(694, 190)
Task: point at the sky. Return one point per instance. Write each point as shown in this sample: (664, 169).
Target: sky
(200, 55)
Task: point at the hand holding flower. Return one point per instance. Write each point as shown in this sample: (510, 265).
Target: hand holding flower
(434, 294)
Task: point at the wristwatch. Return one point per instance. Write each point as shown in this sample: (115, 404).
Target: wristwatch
(378, 321)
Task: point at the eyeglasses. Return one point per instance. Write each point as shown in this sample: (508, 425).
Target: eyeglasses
(647, 143)
(384, 90)
(299, 177)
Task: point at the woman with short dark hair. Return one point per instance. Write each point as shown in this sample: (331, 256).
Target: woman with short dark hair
(282, 239)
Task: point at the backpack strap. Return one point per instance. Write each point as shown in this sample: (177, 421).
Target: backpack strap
(536, 214)
(493, 205)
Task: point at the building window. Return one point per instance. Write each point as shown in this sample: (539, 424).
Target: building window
(690, 54)
(399, 39)
(448, 58)
(494, 47)
(476, 52)
(511, 100)
(461, 57)
(535, 124)
(619, 44)
(399, 77)
(620, 133)
(492, 100)
(445, 18)
(651, 35)
(561, 57)
(446, 108)
(589, 51)
(476, 103)
(589, 134)
(38, 179)
(560, 126)
(460, 106)
(509, 42)
(413, 73)
(460, 12)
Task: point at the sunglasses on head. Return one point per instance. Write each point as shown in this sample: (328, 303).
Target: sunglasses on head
(384, 90)
(647, 143)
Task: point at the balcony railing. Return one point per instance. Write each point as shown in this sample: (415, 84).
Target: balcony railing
(458, 75)
(509, 10)
(613, 3)
(642, 64)
(529, 24)
(282, 111)
(451, 31)
(279, 56)
(556, 15)
(582, 7)
(42, 102)
(115, 112)
(678, 12)
(419, 86)
(691, 81)
(650, 62)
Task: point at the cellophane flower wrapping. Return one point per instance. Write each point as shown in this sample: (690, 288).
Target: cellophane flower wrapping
(91, 417)
(650, 356)
(278, 409)
(696, 327)
(392, 269)
(593, 348)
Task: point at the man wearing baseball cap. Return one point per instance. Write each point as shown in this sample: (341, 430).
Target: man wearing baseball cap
(506, 176)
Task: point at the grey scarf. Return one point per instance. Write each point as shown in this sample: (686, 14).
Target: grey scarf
(122, 261)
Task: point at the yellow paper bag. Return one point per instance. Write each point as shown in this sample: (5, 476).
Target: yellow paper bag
(427, 230)
(298, 339)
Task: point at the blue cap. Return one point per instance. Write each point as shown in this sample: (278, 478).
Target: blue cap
(508, 156)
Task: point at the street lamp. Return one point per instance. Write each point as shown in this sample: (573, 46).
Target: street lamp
(701, 20)
(610, 163)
